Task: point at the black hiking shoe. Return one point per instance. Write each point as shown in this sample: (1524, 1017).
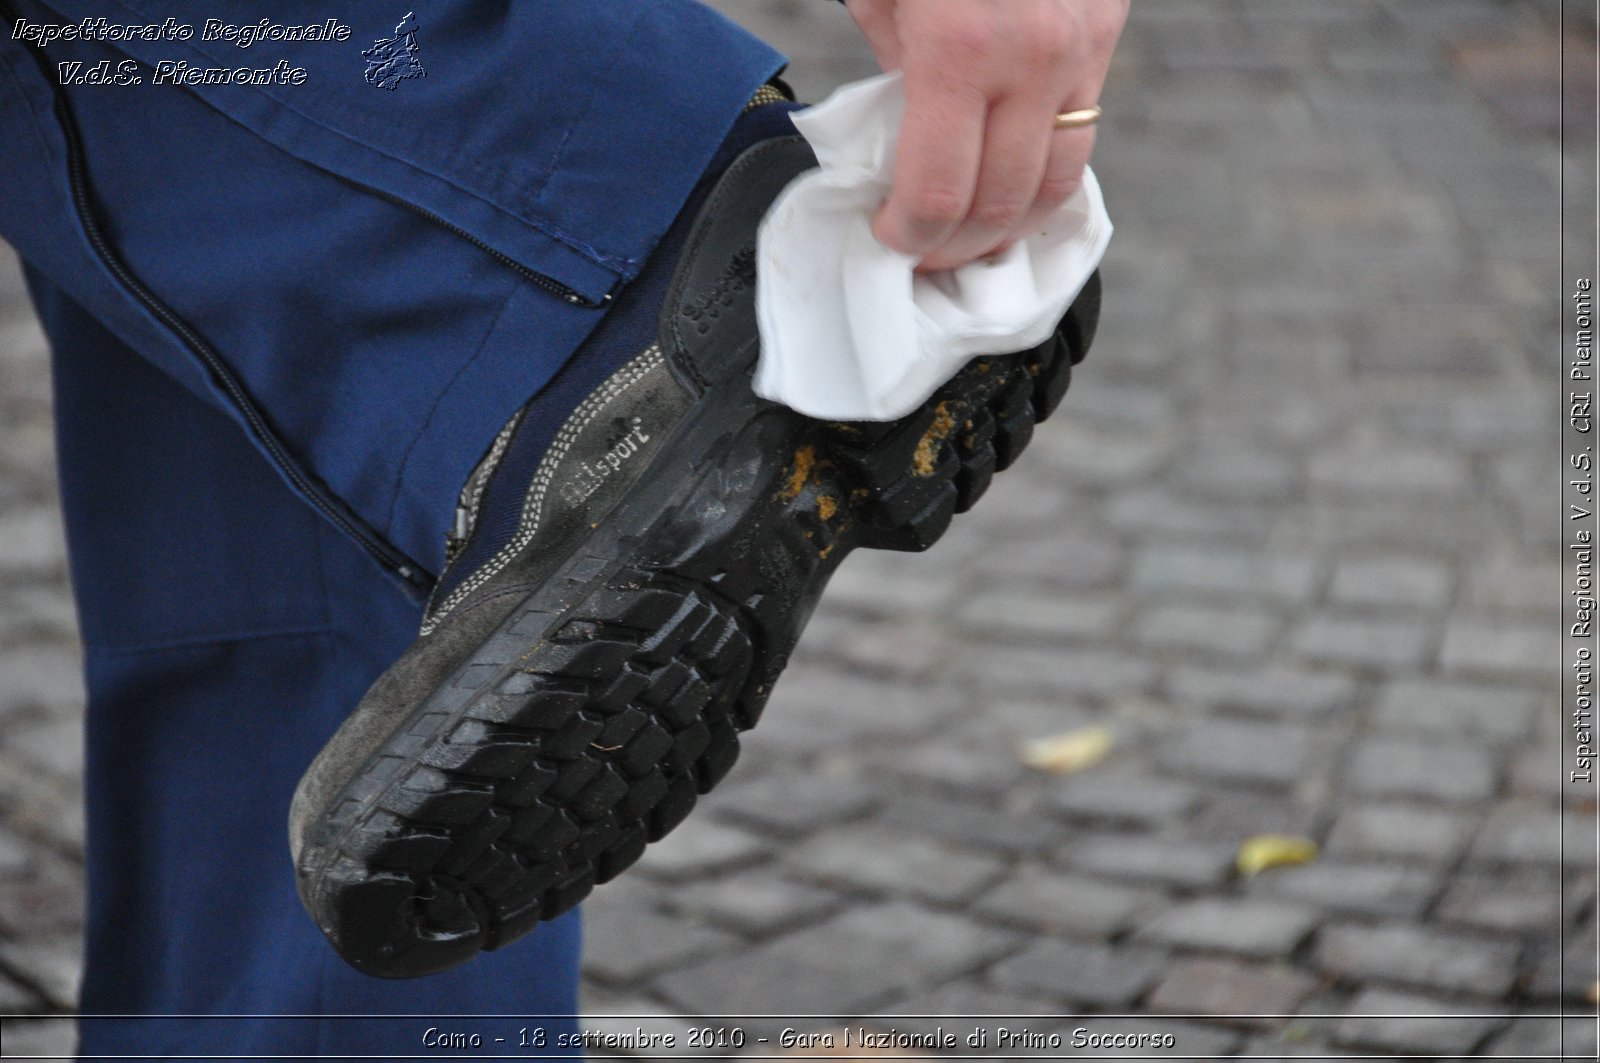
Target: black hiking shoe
(622, 595)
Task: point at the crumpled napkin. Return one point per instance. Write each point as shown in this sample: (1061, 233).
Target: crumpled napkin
(848, 331)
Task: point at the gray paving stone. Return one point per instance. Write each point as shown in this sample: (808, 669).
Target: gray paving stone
(1236, 631)
(1412, 210)
(1065, 560)
(1016, 719)
(1565, 975)
(1272, 753)
(1402, 472)
(1374, 889)
(1153, 860)
(55, 745)
(1117, 403)
(1388, 645)
(701, 846)
(39, 1038)
(1231, 815)
(49, 963)
(1449, 707)
(1098, 455)
(1275, 691)
(886, 860)
(1162, 512)
(1017, 833)
(47, 900)
(1277, 577)
(1122, 798)
(1084, 672)
(759, 902)
(1385, 767)
(1249, 927)
(1405, 832)
(1392, 582)
(812, 709)
(1450, 526)
(43, 806)
(1025, 500)
(1095, 976)
(1035, 616)
(1484, 646)
(768, 980)
(899, 946)
(1525, 903)
(1538, 769)
(1263, 352)
(41, 615)
(1054, 902)
(17, 1000)
(1524, 832)
(1224, 55)
(1427, 1027)
(1474, 421)
(973, 758)
(932, 1009)
(795, 803)
(35, 543)
(878, 584)
(1578, 887)
(40, 676)
(884, 649)
(1229, 989)
(1514, 585)
(623, 943)
(1547, 1038)
(1237, 474)
(1431, 959)
(14, 858)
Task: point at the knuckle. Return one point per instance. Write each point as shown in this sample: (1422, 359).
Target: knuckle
(998, 214)
(1057, 190)
(935, 208)
(1103, 29)
(965, 40)
(1049, 42)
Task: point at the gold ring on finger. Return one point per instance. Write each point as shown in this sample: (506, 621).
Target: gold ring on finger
(1088, 116)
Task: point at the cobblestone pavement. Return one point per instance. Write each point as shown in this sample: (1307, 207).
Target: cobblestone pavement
(1292, 540)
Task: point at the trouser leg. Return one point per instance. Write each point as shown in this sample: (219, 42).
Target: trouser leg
(227, 631)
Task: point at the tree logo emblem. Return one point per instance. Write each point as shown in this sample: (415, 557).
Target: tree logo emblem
(391, 60)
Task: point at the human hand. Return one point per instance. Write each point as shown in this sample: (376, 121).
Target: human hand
(979, 159)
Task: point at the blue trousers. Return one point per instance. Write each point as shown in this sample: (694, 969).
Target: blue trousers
(287, 318)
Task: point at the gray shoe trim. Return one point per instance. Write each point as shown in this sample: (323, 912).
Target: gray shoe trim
(533, 508)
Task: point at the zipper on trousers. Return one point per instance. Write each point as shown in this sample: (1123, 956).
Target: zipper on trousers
(317, 493)
(549, 284)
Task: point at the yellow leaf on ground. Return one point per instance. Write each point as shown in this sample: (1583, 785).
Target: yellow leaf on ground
(1066, 753)
(1273, 850)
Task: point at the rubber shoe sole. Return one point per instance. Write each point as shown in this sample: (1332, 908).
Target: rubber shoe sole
(589, 722)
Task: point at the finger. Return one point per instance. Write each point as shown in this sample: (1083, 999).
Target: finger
(1063, 174)
(936, 163)
(1016, 150)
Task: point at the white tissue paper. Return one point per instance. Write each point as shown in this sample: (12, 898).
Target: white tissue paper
(848, 331)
